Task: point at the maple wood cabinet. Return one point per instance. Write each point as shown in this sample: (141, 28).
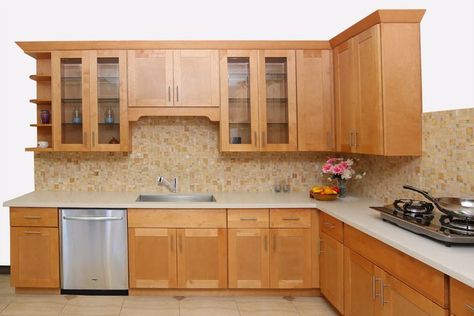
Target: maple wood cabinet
(34, 238)
(331, 270)
(461, 298)
(378, 91)
(258, 100)
(89, 101)
(173, 78)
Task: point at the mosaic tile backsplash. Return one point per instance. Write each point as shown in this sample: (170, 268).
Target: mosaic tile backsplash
(188, 148)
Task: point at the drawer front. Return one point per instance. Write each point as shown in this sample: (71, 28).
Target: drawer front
(177, 218)
(33, 217)
(462, 298)
(332, 226)
(248, 218)
(290, 218)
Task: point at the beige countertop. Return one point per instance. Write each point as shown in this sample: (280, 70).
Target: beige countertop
(455, 261)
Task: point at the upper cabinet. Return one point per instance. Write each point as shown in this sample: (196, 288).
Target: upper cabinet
(258, 100)
(169, 78)
(89, 101)
(378, 91)
(315, 100)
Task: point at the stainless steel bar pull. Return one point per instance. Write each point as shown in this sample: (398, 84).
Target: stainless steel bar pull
(93, 218)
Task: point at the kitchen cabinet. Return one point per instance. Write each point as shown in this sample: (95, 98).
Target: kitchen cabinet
(378, 91)
(315, 100)
(461, 298)
(249, 260)
(34, 239)
(89, 101)
(152, 258)
(173, 78)
(331, 270)
(290, 258)
(202, 258)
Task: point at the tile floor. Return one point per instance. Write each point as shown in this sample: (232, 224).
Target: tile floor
(38, 305)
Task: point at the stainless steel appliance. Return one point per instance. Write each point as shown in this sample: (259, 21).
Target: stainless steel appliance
(421, 218)
(94, 251)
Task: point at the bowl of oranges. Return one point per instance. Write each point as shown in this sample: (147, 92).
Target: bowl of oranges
(324, 193)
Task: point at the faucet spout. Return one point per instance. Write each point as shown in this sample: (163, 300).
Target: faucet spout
(171, 185)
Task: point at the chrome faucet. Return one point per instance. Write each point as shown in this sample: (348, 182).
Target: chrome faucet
(172, 186)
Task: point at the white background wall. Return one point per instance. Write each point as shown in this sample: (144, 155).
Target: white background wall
(447, 32)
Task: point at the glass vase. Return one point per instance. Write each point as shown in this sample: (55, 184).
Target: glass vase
(341, 184)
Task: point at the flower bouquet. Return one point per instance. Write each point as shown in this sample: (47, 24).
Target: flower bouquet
(341, 170)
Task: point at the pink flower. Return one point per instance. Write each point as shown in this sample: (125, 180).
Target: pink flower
(337, 169)
(331, 160)
(327, 167)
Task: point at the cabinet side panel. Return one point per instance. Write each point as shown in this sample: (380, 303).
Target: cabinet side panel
(401, 71)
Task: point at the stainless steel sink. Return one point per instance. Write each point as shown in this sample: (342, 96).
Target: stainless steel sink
(176, 198)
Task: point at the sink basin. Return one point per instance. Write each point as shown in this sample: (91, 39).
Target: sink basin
(176, 198)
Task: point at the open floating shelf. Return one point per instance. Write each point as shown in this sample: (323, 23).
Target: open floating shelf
(41, 125)
(37, 149)
(38, 78)
(41, 101)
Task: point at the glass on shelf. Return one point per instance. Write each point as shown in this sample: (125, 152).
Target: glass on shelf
(239, 100)
(276, 77)
(108, 94)
(71, 100)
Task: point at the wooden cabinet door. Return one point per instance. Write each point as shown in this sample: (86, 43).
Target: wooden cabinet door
(290, 258)
(248, 258)
(368, 138)
(315, 100)
(150, 78)
(152, 257)
(196, 77)
(239, 100)
(462, 298)
(277, 100)
(202, 258)
(108, 97)
(396, 298)
(345, 95)
(34, 257)
(361, 287)
(70, 77)
(331, 268)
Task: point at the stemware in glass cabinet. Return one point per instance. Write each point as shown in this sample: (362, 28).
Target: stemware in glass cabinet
(71, 101)
(240, 128)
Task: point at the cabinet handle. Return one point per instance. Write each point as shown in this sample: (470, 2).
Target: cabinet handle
(93, 139)
(169, 94)
(32, 217)
(374, 287)
(355, 139)
(177, 94)
(247, 219)
(30, 232)
(274, 243)
(256, 138)
(470, 307)
(85, 138)
(329, 225)
(350, 139)
(291, 218)
(265, 243)
(321, 247)
(180, 241)
(172, 243)
(382, 293)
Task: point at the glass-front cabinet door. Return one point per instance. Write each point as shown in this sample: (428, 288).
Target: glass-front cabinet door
(239, 100)
(108, 107)
(277, 91)
(70, 97)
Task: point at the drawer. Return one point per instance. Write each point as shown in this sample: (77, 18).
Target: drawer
(331, 226)
(177, 218)
(34, 217)
(462, 298)
(290, 218)
(248, 218)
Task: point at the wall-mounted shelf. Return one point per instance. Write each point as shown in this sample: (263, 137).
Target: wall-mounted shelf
(37, 149)
(39, 78)
(41, 125)
(40, 101)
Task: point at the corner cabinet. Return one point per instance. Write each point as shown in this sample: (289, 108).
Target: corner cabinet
(378, 91)
(258, 100)
(89, 101)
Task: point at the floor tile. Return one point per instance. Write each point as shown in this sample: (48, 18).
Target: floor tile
(313, 306)
(35, 305)
(4, 301)
(94, 306)
(263, 306)
(144, 306)
(208, 306)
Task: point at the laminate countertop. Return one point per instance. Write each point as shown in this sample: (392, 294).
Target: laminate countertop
(455, 261)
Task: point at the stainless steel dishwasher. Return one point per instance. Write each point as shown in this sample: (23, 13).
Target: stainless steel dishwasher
(94, 251)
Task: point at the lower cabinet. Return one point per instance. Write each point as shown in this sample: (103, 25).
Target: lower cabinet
(462, 298)
(331, 271)
(290, 258)
(152, 258)
(369, 290)
(249, 260)
(34, 257)
(202, 258)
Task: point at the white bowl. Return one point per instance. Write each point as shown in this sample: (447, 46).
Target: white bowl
(43, 144)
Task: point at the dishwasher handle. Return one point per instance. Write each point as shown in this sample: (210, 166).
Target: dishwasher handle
(93, 218)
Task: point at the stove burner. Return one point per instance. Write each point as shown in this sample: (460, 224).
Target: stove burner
(457, 225)
(413, 207)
